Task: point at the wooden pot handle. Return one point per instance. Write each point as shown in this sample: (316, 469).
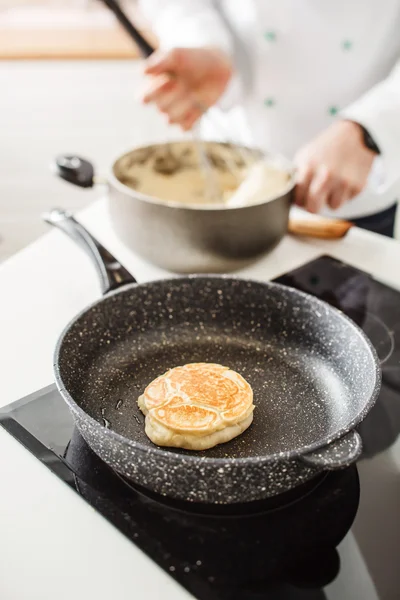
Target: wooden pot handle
(324, 229)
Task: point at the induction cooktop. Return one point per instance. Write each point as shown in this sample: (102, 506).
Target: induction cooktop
(284, 548)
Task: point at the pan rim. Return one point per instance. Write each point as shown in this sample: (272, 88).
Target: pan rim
(200, 459)
(173, 204)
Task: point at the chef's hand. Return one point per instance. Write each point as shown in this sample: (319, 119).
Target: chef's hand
(186, 81)
(332, 168)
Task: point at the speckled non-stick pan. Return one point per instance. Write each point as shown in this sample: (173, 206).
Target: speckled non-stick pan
(313, 372)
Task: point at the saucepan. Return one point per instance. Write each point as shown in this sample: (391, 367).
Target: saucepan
(314, 375)
(192, 238)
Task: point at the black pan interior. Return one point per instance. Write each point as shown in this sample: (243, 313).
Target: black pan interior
(310, 368)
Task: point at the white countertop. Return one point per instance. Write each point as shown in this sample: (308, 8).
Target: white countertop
(53, 545)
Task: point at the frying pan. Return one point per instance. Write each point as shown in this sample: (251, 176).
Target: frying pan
(314, 374)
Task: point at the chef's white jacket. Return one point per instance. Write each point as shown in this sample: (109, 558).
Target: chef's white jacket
(301, 64)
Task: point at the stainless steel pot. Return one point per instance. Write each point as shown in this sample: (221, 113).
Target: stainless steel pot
(187, 238)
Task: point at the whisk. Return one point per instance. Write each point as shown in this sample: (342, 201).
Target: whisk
(212, 189)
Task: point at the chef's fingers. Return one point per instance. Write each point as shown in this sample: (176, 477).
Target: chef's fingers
(342, 192)
(191, 118)
(173, 99)
(355, 189)
(174, 103)
(164, 62)
(339, 195)
(304, 176)
(160, 86)
(319, 190)
(178, 111)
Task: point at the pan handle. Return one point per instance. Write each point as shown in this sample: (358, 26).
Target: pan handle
(339, 454)
(111, 273)
(74, 169)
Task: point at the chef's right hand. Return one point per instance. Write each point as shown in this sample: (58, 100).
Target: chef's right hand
(187, 81)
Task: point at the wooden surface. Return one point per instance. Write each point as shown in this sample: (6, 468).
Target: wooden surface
(91, 108)
(64, 44)
(65, 33)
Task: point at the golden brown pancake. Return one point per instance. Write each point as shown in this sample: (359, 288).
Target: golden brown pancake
(197, 406)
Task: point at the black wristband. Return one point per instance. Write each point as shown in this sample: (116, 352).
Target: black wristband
(369, 141)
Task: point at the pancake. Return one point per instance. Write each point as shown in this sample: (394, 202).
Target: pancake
(197, 406)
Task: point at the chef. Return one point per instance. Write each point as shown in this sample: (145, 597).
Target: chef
(315, 80)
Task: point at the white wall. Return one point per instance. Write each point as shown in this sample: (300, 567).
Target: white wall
(46, 108)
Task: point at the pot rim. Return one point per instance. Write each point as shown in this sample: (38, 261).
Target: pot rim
(137, 195)
(203, 459)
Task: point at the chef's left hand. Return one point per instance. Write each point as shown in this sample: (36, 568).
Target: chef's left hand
(332, 168)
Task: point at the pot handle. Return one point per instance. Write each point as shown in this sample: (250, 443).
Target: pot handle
(324, 229)
(339, 454)
(111, 273)
(74, 169)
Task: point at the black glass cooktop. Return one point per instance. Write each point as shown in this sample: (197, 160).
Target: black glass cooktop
(284, 548)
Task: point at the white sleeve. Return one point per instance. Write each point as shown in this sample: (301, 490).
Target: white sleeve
(192, 24)
(186, 23)
(379, 112)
